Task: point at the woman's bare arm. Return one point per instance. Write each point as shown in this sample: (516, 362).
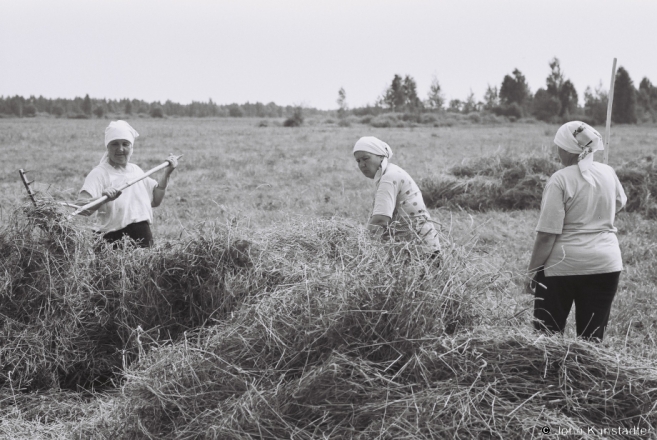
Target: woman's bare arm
(378, 224)
(542, 248)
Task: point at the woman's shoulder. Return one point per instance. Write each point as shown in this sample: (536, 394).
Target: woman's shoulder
(395, 171)
(134, 168)
(603, 167)
(565, 173)
(99, 170)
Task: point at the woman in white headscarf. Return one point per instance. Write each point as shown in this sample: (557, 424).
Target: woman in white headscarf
(128, 212)
(398, 211)
(576, 257)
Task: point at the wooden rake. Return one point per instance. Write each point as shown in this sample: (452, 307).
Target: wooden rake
(103, 199)
(27, 184)
(99, 201)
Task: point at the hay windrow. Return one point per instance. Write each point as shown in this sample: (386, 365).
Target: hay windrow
(511, 182)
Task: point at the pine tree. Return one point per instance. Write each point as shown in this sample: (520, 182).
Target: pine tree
(411, 101)
(86, 105)
(394, 97)
(470, 105)
(624, 106)
(595, 104)
(435, 100)
(342, 103)
(491, 98)
(514, 89)
(568, 97)
(647, 100)
(545, 107)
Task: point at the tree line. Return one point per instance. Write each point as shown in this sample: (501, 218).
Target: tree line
(558, 101)
(86, 107)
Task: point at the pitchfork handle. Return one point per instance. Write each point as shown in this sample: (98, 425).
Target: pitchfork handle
(102, 200)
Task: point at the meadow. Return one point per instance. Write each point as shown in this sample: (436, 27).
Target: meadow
(311, 330)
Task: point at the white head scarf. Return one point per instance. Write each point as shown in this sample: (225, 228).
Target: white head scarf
(375, 146)
(119, 130)
(580, 138)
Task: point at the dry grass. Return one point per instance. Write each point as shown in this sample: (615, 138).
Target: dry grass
(73, 307)
(309, 329)
(510, 182)
(337, 337)
(485, 383)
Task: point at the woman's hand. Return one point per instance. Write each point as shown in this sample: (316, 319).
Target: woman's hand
(173, 163)
(378, 224)
(530, 286)
(111, 193)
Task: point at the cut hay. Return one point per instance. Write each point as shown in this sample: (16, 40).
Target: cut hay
(509, 183)
(486, 383)
(639, 179)
(493, 182)
(309, 330)
(73, 308)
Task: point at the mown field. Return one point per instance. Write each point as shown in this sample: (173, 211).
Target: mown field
(265, 312)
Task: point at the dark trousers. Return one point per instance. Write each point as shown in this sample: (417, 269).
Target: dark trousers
(140, 232)
(592, 295)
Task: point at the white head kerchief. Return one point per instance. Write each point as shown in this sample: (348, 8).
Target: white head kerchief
(580, 138)
(375, 146)
(119, 130)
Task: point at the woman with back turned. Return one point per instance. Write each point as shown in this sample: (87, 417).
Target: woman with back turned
(399, 211)
(576, 257)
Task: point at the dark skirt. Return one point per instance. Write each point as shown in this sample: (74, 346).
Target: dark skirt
(140, 232)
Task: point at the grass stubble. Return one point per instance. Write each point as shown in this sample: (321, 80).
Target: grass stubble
(304, 328)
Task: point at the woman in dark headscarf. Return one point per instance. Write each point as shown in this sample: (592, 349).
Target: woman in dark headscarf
(576, 257)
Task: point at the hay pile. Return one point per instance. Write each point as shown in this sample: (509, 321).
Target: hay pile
(260, 377)
(639, 179)
(313, 331)
(508, 183)
(491, 182)
(72, 308)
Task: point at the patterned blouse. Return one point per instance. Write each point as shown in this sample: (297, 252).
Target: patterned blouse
(398, 197)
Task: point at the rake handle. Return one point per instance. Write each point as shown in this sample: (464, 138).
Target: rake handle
(103, 199)
(610, 101)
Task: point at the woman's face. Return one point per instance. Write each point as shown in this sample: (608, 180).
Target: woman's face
(368, 163)
(119, 151)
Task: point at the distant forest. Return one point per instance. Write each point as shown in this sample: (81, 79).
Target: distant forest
(558, 101)
(86, 107)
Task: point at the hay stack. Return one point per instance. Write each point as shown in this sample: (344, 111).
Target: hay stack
(71, 305)
(507, 183)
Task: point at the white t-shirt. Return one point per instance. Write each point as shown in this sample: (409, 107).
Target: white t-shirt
(582, 216)
(398, 197)
(132, 206)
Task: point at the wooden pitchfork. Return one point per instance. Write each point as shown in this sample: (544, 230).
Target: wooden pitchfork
(32, 194)
(102, 199)
(27, 186)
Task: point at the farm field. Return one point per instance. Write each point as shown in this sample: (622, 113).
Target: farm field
(308, 343)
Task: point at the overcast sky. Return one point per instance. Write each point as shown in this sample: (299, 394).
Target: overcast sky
(302, 52)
